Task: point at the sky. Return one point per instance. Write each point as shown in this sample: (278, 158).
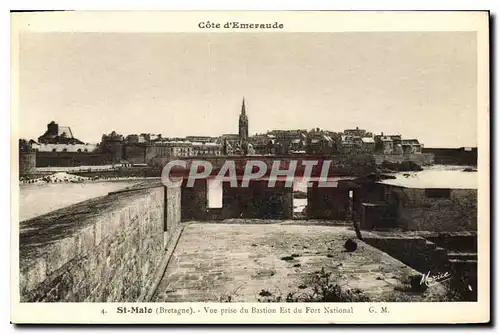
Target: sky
(419, 85)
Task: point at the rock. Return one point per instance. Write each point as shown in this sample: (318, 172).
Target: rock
(350, 245)
(416, 284)
(265, 273)
(265, 293)
(404, 166)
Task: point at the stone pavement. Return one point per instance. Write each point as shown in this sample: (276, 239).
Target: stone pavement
(214, 261)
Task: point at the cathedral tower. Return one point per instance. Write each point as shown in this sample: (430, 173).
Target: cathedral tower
(243, 124)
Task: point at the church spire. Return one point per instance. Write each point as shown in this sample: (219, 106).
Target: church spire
(243, 123)
(243, 109)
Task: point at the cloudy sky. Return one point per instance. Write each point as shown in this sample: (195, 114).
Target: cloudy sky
(420, 85)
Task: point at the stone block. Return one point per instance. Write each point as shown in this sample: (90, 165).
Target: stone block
(33, 276)
(118, 252)
(61, 253)
(86, 240)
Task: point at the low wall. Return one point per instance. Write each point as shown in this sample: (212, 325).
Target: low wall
(423, 159)
(327, 203)
(415, 252)
(419, 212)
(432, 253)
(257, 201)
(194, 201)
(103, 250)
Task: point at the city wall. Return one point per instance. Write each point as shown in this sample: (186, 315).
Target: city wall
(27, 163)
(140, 153)
(105, 249)
(121, 172)
(423, 159)
(453, 156)
(70, 159)
(339, 164)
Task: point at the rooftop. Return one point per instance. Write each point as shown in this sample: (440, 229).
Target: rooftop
(368, 140)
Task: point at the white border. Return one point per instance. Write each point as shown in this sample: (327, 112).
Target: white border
(218, 5)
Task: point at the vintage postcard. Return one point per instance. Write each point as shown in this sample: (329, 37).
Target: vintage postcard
(250, 167)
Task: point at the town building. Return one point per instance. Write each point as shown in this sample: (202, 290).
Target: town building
(230, 143)
(368, 145)
(263, 144)
(289, 141)
(171, 148)
(56, 134)
(411, 146)
(149, 137)
(384, 144)
(357, 132)
(202, 139)
(60, 139)
(346, 145)
(353, 144)
(319, 143)
(112, 144)
(206, 149)
(76, 148)
(132, 139)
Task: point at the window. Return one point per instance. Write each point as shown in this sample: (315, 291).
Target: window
(438, 193)
(214, 193)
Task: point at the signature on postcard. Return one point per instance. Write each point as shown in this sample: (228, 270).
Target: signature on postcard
(429, 280)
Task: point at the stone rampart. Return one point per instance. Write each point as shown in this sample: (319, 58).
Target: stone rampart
(107, 249)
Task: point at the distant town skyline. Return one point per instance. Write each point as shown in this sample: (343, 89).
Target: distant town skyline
(419, 85)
